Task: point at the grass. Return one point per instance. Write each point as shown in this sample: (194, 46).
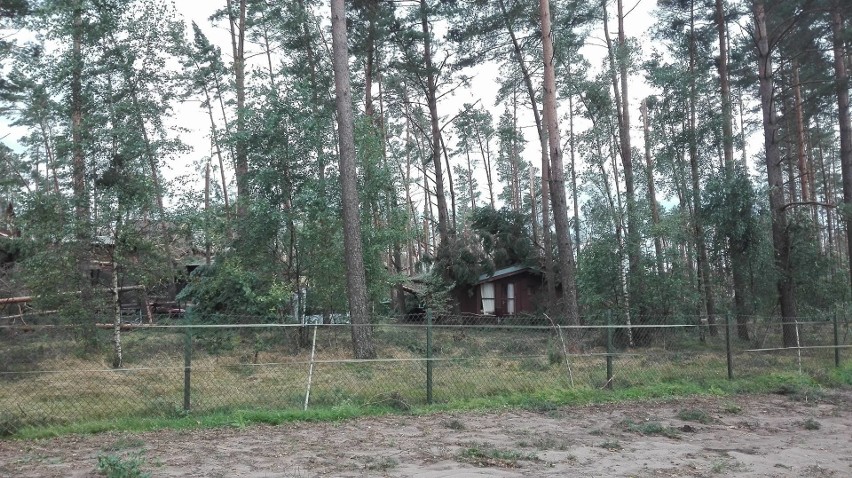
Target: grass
(545, 442)
(611, 445)
(382, 464)
(811, 424)
(651, 428)
(486, 455)
(696, 415)
(474, 369)
(454, 424)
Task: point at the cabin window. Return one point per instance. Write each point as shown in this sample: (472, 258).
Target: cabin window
(487, 292)
(510, 298)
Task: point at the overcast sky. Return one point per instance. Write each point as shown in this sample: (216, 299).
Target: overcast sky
(483, 86)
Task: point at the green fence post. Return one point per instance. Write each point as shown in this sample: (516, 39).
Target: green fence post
(609, 350)
(429, 357)
(836, 342)
(728, 346)
(187, 367)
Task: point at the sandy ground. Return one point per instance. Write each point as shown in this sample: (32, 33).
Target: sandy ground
(765, 435)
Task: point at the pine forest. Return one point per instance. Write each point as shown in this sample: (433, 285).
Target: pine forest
(274, 161)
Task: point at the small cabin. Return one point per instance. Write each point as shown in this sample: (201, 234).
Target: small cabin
(509, 291)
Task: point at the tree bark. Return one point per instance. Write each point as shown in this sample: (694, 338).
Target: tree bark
(727, 112)
(738, 258)
(652, 195)
(432, 99)
(545, 161)
(842, 87)
(698, 223)
(356, 282)
(573, 156)
(780, 238)
(567, 267)
(802, 163)
(238, 36)
(78, 165)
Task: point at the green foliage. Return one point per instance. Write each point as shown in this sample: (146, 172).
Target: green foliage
(598, 276)
(227, 291)
(115, 466)
(504, 236)
(729, 205)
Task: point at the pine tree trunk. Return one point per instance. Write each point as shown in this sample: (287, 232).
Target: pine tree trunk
(738, 258)
(450, 181)
(238, 36)
(618, 77)
(567, 267)
(78, 165)
(705, 282)
(780, 239)
(842, 86)
(356, 282)
(727, 114)
(214, 137)
(549, 277)
(432, 99)
(652, 195)
(573, 156)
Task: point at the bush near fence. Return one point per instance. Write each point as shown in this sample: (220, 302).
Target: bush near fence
(51, 375)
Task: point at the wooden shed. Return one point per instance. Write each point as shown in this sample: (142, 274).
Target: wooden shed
(509, 291)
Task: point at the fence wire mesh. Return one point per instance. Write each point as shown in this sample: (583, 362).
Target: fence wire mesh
(55, 374)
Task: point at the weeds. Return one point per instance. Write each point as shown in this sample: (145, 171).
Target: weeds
(696, 415)
(811, 424)
(650, 428)
(115, 466)
(454, 424)
(485, 455)
(611, 445)
(382, 464)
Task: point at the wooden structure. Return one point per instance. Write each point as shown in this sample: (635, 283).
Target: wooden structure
(509, 291)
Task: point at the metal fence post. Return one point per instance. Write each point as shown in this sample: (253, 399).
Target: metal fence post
(728, 346)
(836, 342)
(609, 350)
(429, 357)
(187, 367)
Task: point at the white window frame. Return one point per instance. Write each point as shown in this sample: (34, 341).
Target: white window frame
(486, 292)
(510, 298)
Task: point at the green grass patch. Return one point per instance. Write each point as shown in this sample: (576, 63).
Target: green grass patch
(478, 369)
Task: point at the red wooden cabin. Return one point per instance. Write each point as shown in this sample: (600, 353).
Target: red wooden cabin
(509, 291)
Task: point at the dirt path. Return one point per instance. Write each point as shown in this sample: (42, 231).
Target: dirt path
(766, 435)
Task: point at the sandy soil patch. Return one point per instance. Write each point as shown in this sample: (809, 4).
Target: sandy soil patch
(763, 435)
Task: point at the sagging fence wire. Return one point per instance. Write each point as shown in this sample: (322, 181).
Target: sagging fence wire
(60, 374)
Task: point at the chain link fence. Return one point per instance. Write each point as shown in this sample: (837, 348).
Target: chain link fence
(54, 374)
